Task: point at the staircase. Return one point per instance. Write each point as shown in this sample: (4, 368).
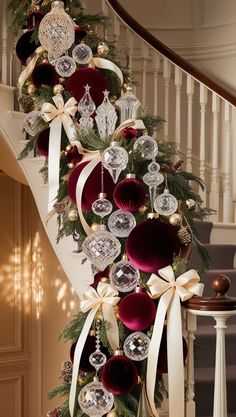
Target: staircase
(222, 263)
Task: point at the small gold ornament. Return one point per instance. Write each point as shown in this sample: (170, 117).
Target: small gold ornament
(31, 89)
(68, 148)
(142, 209)
(71, 165)
(175, 219)
(58, 89)
(73, 215)
(61, 80)
(112, 413)
(95, 227)
(191, 204)
(102, 49)
(184, 236)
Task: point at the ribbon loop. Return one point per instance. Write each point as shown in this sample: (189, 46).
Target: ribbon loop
(170, 292)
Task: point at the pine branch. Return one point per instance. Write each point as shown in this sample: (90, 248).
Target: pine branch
(122, 407)
(73, 329)
(27, 149)
(60, 390)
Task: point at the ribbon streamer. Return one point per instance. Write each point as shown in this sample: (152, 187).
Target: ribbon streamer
(59, 115)
(106, 298)
(170, 292)
(25, 74)
(107, 64)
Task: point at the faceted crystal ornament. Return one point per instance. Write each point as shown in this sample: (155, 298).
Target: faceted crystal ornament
(101, 248)
(86, 108)
(65, 66)
(115, 159)
(97, 359)
(129, 105)
(82, 54)
(106, 117)
(120, 223)
(146, 146)
(136, 346)
(102, 207)
(152, 179)
(124, 276)
(33, 122)
(166, 203)
(56, 30)
(95, 400)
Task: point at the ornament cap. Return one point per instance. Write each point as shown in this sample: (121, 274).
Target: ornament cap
(95, 378)
(92, 332)
(104, 279)
(153, 215)
(102, 195)
(118, 352)
(114, 143)
(138, 289)
(130, 176)
(58, 3)
(125, 257)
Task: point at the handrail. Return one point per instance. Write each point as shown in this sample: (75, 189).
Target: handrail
(168, 53)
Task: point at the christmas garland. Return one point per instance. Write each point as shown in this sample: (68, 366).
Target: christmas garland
(122, 194)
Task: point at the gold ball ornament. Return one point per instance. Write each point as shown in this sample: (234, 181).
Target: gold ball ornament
(73, 215)
(95, 227)
(191, 204)
(31, 89)
(102, 49)
(112, 413)
(175, 219)
(71, 165)
(58, 89)
(68, 148)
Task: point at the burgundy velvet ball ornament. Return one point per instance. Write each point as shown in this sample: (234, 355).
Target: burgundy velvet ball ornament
(129, 133)
(100, 275)
(34, 18)
(83, 76)
(92, 186)
(89, 348)
(152, 245)
(162, 365)
(137, 311)
(129, 195)
(25, 47)
(119, 374)
(42, 142)
(80, 34)
(73, 156)
(44, 74)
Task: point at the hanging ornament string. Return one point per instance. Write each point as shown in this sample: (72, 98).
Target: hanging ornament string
(25, 74)
(105, 298)
(58, 115)
(170, 292)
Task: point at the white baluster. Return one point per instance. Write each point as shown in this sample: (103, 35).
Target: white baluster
(202, 151)
(214, 192)
(130, 44)
(190, 92)
(178, 85)
(116, 26)
(105, 13)
(227, 198)
(191, 329)
(156, 69)
(4, 43)
(220, 397)
(166, 76)
(144, 51)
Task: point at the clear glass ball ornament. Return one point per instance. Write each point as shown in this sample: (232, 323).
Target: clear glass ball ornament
(166, 203)
(56, 30)
(33, 122)
(124, 276)
(97, 359)
(115, 159)
(95, 400)
(146, 146)
(136, 346)
(120, 223)
(101, 247)
(65, 66)
(102, 207)
(82, 54)
(153, 177)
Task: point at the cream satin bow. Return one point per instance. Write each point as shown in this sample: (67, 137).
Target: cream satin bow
(58, 115)
(25, 74)
(106, 298)
(170, 292)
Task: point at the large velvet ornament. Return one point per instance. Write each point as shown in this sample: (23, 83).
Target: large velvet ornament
(44, 74)
(119, 375)
(25, 47)
(152, 245)
(137, 311)
(42, 142)
(129, 195)
(89, 347)
(80, 34)
(73, 156)
(92, 186)
(162, 365)
(83, 76)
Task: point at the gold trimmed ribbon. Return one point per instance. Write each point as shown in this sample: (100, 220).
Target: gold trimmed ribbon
(107, 64)
(106, 297)
(59, 115)
(25, 74)
(170, 292)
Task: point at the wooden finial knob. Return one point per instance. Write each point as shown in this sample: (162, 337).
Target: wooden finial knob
(220, 284)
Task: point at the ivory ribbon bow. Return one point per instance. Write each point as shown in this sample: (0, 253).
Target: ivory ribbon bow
(170, 292)
(58, 115)
(106, 298)
(25, 74)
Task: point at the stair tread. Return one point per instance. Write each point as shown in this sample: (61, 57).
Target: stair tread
(208, 374)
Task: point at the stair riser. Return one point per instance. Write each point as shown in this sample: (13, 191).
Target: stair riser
(222, 257)
(204, 355)
(204, 394)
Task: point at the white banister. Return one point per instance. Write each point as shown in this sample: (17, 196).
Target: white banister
(202, 150)
(190, 92)
(191, 325)
(166, 76)
(227, 196)
(178, 85)
(214, 191)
